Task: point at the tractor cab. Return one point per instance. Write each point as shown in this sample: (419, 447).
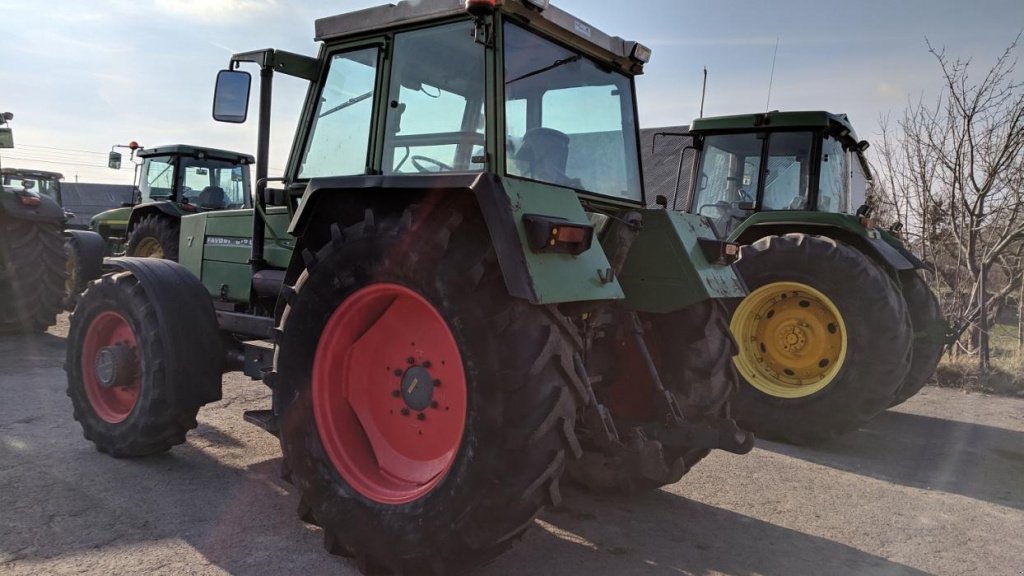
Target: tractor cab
(776, 162)
(34, 182)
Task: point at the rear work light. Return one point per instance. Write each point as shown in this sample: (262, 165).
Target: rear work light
(552, 235)
(718, 251)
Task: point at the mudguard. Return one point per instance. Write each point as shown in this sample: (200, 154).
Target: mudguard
(667, 269)
(90, 249)
(889, 252)
(185, 312)
(46, 211)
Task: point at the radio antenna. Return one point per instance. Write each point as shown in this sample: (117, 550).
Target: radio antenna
(771, 79)
(703, 91)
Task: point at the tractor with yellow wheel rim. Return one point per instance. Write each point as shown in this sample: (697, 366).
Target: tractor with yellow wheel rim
(839, 323)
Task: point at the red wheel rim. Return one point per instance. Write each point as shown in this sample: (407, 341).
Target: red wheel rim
(389, 393)
(113, 397)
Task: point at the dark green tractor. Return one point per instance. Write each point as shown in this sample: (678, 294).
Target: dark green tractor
(32, 257)
(455, 294)
(839, 325)
(173, 181)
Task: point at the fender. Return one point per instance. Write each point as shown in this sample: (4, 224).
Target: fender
(537, 278)
(841, 227)
(90, 248)
(185, 312)
(165, 207)
(47, 211)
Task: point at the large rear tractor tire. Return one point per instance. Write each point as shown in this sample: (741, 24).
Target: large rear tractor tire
(824, 339)
(925, 313)
(426, 416)
(128, 390)
(154, 236)
(32, 275)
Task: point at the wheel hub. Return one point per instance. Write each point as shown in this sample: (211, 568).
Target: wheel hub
(115, 366)
(417, 388)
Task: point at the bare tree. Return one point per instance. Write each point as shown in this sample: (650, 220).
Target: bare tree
(954, 172)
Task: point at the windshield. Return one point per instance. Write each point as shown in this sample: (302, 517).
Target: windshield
(214, 184)
(42, 186)
(568, 122)
(157, 182)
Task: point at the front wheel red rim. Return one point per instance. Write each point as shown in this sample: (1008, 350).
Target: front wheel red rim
(389, 393)
(110, 367)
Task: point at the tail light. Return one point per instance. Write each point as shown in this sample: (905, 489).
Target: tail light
(548, 234)
(29, 200)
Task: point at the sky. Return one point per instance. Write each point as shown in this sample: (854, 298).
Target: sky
(82, 76)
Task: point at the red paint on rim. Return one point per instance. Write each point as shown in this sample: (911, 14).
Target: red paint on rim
(388, 452)
(113, 405)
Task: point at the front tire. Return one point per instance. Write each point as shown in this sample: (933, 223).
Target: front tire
(824, 339)
(381, 311)
(32, 275)
(925, 312)
(154, 236)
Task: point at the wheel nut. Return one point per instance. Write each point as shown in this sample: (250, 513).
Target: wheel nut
(437, 383)
(434, 404)
(398, 372)
(421, 416)
(410, 360)
(426, 364)
(405, 411)
(396, 393)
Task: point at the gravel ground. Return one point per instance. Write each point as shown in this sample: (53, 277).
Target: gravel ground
(934, 486)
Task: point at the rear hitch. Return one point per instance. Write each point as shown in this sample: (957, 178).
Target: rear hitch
(724, 434)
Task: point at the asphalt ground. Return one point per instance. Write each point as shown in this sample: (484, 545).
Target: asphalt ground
(933, 486)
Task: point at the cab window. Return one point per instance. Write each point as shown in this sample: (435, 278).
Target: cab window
(157, 182)
(787, 174)
(435, 114)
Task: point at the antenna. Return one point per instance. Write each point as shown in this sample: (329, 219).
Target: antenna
(771, 80)
(704, 91)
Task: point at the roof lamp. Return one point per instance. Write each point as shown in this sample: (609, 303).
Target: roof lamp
(641, 53)
(540, 5)
(480, 8)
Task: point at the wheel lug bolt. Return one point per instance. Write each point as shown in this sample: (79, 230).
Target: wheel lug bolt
(421, 416)
(437, 383)
(398, 372)
(396, 393)
(426, 364)
(405, 411)
(410, 360)
(434, 404)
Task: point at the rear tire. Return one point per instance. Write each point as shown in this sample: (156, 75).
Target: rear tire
(139, 407)
(155, 236)
(863, 362)
(32, 275)
(925, 312)
(517, 378)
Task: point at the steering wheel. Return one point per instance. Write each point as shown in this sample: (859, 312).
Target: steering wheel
(416, 162)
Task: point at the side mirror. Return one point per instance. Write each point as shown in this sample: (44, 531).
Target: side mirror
(114, 160)
(6, 138)
(231, 96)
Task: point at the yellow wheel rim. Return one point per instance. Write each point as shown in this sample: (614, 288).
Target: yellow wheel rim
(792, 339)
(149, 248)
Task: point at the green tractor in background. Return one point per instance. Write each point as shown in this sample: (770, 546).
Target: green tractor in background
(173, 181)
(839, 325)
(32, 257)
(456, 294)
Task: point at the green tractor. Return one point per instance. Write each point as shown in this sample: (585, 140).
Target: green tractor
(456, 293)
(32, 257)
(838, 325)
(174, 181)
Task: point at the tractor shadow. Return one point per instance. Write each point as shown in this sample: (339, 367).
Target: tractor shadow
(662, 533)
(974, 460)
(20, 352)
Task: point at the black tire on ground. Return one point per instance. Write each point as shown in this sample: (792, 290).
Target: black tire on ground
(32, 274)
(84, 264)
(878, 343)
(154, 231)
(925, 312)
(521, 397)
(165, 409)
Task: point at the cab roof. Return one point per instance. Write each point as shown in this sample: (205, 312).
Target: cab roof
(774, 120)
(42, 174)
(196, 151)
(552, 20)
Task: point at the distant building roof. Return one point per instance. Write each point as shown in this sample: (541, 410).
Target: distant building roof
(86, 200)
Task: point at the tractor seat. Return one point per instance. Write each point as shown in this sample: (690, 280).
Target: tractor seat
(543, 155)
(212, 198)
